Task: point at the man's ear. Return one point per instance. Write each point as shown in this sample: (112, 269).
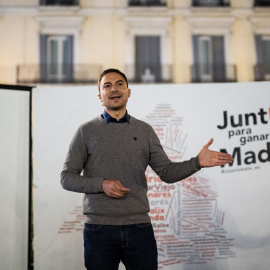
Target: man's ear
(129, 92)
(99, 96)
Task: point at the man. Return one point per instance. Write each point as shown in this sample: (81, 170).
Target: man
(113, 150)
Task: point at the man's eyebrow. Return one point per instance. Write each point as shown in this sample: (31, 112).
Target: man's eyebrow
(107, 83)
(120, 81)
(111, 83)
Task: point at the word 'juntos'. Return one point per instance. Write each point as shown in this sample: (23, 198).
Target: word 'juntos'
(244, 119)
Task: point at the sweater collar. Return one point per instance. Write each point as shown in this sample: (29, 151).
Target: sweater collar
(109, 118)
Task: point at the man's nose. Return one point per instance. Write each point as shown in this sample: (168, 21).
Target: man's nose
(114, 87)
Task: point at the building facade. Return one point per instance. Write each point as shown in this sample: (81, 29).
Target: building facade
(152, 41)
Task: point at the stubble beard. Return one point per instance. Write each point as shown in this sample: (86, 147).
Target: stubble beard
(115, 108)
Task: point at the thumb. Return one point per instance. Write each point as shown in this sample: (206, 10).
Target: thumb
(209, 143)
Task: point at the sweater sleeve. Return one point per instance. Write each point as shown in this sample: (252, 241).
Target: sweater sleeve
(167, 170)
(71, 178)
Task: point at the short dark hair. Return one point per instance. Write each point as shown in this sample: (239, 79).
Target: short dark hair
(111, 70)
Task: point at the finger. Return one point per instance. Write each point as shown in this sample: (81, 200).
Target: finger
(227, 157)
(120, 192)
(209, 143)
(117, 195)
(120, 187)
(222, 163)
(125, 189)
(220, 154)
(117, 192)
(228, 160)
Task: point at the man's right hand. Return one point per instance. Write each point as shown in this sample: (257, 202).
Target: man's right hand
(114, 188)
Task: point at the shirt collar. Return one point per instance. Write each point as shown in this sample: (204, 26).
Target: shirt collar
(109, 119)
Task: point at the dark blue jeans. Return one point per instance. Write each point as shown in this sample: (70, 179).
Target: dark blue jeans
(106, 245)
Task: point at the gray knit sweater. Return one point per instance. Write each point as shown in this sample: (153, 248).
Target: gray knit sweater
(123, 152)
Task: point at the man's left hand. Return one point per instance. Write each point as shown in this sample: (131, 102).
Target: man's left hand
(208, 158)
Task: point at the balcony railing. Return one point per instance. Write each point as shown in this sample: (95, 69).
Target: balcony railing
(262, 72)
(154, 74)
(203, 73)
(147, 2)
(210, 3)
(262, 3)
(58, 73)
(59, 2)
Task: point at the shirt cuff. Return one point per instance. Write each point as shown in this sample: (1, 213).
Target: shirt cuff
(197, 163)
(98, 185)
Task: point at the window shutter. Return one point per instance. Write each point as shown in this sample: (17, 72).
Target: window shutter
(195, 69)
(68, 58)
(43, 57)
(259, 49)
(154, 51)
(266, 55)
(219, 71)
(195, 3)
(139, 56)
(259, 71)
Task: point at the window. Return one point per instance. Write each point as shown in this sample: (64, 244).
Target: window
(209, 59)
(148, 49)
(147, 2)
(262, 3)
(56, 58)
(148, 64)
(210, 3)
(58, 2)
(262, 69)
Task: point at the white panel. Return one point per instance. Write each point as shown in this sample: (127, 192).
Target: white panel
(14, 178)
(230, 226)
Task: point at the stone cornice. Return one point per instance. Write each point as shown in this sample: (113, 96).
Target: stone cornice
(155, 24)
(260, 25)
(63, 24)
(207, 24)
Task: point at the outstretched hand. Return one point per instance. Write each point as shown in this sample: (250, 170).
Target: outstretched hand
(208, 158)
(114, 188)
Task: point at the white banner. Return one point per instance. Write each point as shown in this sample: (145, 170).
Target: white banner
(216, 219)
(14, 178)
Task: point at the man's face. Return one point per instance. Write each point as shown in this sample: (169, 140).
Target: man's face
(114, 92)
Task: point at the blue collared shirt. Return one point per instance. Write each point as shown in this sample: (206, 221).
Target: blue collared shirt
(109, 119)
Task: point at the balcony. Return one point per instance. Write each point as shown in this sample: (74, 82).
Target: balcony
(138, 3)
(154, 74)
(59, 2)
(262, 72)
(210, 3)
(262, 3)
(79, 74)
(208, 73)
